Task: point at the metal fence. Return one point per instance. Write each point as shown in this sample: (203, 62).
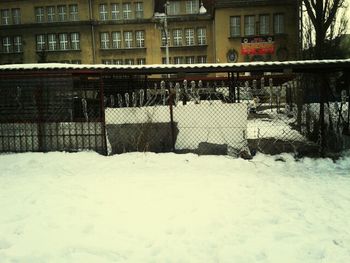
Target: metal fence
(239, 114)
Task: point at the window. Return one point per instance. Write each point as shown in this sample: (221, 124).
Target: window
(16, 16)
(249, 25)
(62, 13)
(39, 14)
(104, 40)
(201, 59)
(164, 60)
(177, 36)
(189, 36)
(177, 60)
(129, 61)
(117, 61)
(40, 42)
(103, 12)
(106, 61)
(51, 13)
(164, 39)
(278, 23)
(5, 16)
(128, 41)
(126, 11)
(63, 38)
(115, 11)
(17, 44)
(116, 40)
(202, 36)
(75, 41)
(6, 45)
(189, 60)
(140, 38)
(264, 26)
(52, 40)
(76, 61)
(138, 10)
(235, 26)
(73, 13)
(192, 7)
(141, 61)
(173, 8)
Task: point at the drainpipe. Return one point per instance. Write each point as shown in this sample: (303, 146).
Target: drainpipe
(92, 32)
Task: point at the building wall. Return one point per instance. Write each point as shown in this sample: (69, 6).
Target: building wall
(90, 26)
(286, 42)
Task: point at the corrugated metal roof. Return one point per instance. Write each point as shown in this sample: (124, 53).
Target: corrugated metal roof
(296, 66)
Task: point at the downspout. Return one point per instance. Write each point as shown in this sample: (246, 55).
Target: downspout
(92, 32)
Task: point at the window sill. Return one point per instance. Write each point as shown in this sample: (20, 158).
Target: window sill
(234, 37)
(58, 51)
(180, 47)
(122, 49)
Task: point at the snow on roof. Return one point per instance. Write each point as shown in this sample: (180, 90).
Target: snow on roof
(159, 68)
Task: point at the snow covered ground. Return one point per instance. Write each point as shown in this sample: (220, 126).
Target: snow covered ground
(146, 207)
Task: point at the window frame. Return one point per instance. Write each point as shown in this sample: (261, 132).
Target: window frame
(249, 25)
(62, 13)
(105, 42)
(103, 12)
(73, 12)
(235, 28)
(51, 16)
(49, 42)
(40, 46)
(62, 41)
(117, 42)
(202, 36)
(177, 38)
(140, 38)
(139, 12)
(16, 16)
(278, 29)
(127, 12)
(189, 36)
(39, 16)
(75, 40)
(115, 11)
(264, 28)
(128, 39)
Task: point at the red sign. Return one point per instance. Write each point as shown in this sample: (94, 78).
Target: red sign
(258, 45)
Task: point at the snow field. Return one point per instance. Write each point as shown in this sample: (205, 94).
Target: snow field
(145, 207)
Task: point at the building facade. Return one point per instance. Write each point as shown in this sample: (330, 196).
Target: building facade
(133, 32)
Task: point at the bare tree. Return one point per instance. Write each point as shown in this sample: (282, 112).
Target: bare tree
(326, 21)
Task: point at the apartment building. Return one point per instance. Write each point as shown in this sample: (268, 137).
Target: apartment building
(133, 32)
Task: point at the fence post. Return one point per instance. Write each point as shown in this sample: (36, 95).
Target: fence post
(103, 119)
(172, 125)
(322, 87)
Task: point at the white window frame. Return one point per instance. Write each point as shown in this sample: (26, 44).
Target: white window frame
(51, 13)
(127, 12)
(116, 39)
(173, 8)
(129, 61)
(249, 25)
(17, 44)
(189, 36)
(141, 61)
(39, 14)
(118, 61)
(16, 16)
(202, 59)
(190, 60)
(163, 37)
(73, 12)
(278, 23)
(177, 37)
(128, 39)
(40, 42)
(103, 12)
(140, 38)
(201, 36)
(6, 45)
(63, 41)
(52, 42)
(178, 60)
(138, 10)
(62, 13)
(104, 37)
(75, 41)
(235, 26)
(5, 16)
(192, 7)
(115, 11)
(264, 24)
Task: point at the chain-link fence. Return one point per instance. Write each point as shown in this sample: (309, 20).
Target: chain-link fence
(114, 113)
(50, 113)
